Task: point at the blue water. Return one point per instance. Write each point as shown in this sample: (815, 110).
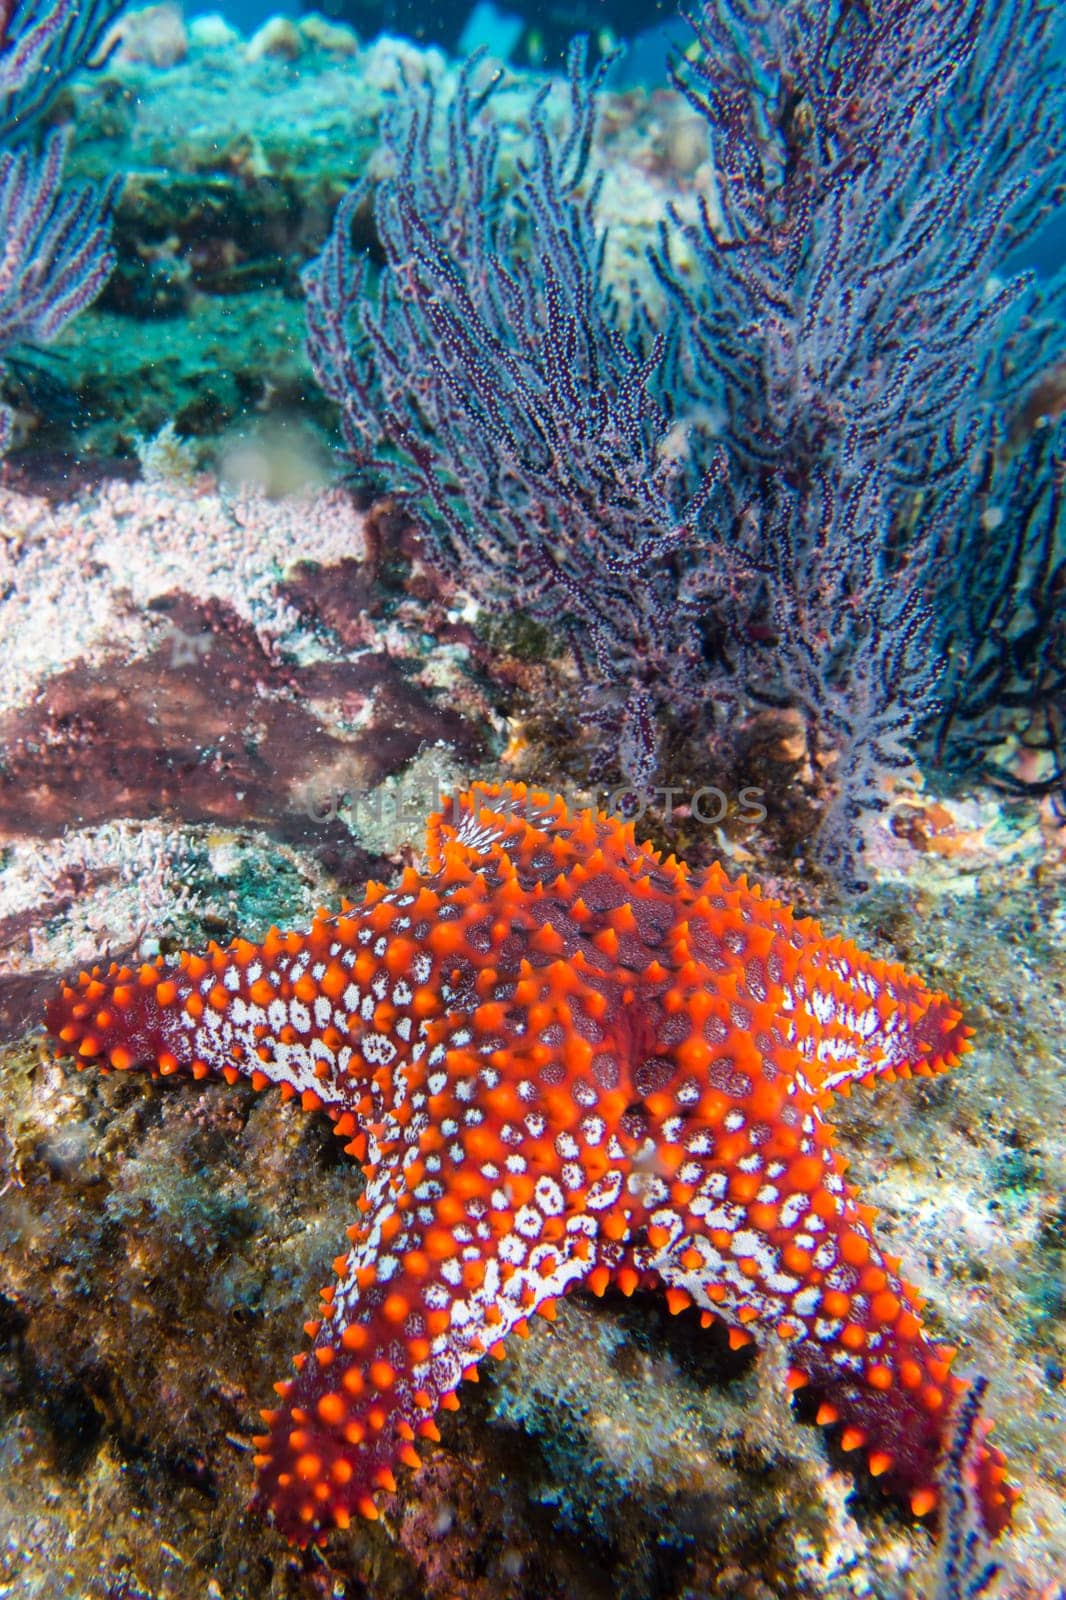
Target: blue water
(648, 40)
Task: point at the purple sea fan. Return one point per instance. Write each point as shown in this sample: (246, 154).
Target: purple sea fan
(54, 251)
(41, 43)
(849, 317)
(28, 29)
(487, 378)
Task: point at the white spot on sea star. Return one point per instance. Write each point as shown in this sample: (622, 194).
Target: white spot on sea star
(378, 1049)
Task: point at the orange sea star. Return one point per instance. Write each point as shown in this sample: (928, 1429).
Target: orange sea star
(562, 1061)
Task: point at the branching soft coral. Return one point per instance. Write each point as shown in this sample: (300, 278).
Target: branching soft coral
(41, 43)
(876, 166)
(55, 255)
(835, 350)
(486, 376)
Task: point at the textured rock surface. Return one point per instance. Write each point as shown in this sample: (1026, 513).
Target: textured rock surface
(157, 1238)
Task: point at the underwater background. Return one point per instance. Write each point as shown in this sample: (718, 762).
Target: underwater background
(662, 410)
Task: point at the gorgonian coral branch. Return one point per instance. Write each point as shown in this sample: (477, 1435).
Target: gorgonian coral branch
(964, 1569)
(41, 43)
(55, 254)
(839, 333)
(1004, 634)
(489, 360)
(841, 320)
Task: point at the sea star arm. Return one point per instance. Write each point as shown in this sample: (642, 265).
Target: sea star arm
(440, 1271)
(860, 1020)
(462, 1235)
(324, 1014)
(802, 1264)
(851, 1017)
(760, 1224)
(252, 1011)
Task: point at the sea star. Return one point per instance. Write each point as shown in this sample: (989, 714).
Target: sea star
(562, 1060)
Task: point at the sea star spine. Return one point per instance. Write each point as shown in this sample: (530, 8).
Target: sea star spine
(562, 1060)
